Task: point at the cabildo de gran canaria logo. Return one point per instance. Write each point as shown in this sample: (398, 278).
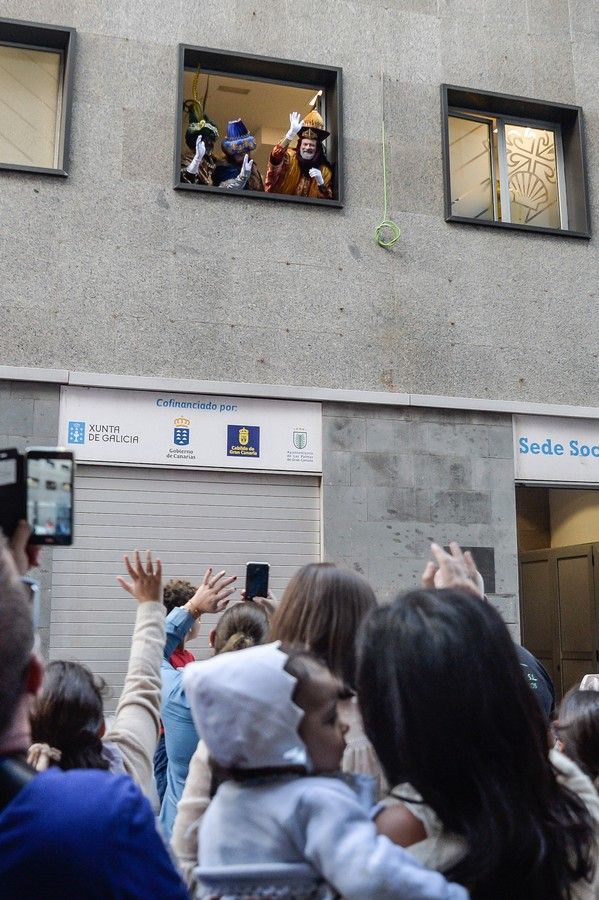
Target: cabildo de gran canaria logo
(181, 434)
(243, 440)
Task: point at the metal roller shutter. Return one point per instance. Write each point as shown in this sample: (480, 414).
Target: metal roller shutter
(191, 519)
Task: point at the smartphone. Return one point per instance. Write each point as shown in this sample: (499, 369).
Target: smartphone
(12, 494)
(256, 580)
(49, 477)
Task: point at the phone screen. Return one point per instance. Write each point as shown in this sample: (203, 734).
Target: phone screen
(256, 580)
(50, 498)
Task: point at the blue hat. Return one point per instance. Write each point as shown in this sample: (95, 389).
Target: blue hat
(238, 139)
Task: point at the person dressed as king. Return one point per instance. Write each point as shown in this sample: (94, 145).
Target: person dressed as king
(304, 170)
(237, 170)
(200, 137)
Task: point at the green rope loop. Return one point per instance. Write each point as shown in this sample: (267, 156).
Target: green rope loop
(387, 233)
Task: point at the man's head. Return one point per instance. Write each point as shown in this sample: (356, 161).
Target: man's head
(307, 148)
(178, 593)
(238, 142)
(205, 129)
(20, 673)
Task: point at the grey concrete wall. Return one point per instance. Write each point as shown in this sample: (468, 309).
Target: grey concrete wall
(394, 480)
(113, 271)
(29, 418)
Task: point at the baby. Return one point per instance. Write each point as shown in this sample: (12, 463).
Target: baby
(269, 719)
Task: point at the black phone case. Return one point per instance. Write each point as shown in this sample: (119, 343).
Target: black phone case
(12, 498)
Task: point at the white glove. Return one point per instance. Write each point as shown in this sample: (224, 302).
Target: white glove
(295, 123)
(194, 165)
(246, 166)
(316, 174)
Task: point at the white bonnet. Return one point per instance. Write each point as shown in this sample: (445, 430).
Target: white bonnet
(241, 703)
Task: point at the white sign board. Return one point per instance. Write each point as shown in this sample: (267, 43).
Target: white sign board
(556, 450)
(190, 430)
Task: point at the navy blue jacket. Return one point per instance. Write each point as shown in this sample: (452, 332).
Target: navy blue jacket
(83, 833)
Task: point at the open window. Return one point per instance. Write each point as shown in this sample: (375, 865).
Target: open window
(233, 127)
(35, 76)
(513, 163)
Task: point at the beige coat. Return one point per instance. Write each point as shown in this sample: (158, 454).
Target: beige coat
(136, 723)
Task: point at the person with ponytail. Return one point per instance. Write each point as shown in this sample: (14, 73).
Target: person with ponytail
(241, 626)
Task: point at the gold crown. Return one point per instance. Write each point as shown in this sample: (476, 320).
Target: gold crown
(313, 120)
(182, 422)
(313, 127)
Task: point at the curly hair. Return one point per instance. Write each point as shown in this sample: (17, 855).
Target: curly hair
(177, 593)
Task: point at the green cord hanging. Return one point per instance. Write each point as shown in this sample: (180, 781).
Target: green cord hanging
(387, 233)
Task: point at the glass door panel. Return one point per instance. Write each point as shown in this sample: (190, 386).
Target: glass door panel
(471, 170)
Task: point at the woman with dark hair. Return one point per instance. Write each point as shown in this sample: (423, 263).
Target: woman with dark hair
(67, 718)
(577, 730)
(448, 711)
(323, 607)
(241, 626)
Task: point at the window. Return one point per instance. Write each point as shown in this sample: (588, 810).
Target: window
(239, 104)
(34, 96)
(513, 163)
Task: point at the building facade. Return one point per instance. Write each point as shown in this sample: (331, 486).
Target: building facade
(117, 276)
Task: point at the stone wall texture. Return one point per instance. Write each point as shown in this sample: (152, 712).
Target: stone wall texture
(111, 270)
(396, 479)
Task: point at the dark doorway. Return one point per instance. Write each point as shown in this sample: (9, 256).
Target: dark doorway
(559, 590)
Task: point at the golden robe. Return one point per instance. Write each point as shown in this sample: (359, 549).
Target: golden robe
(284, 175)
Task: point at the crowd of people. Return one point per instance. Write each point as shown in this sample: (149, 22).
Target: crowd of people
(329, 747)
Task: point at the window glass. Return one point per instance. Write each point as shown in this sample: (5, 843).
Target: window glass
(29, 106)
(470, 168)
(532, 176)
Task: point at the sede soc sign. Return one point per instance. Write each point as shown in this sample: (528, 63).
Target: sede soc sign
(560, 450)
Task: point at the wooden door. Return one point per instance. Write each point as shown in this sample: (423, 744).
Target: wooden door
(538, 609)
(558, 593)
(575, 587)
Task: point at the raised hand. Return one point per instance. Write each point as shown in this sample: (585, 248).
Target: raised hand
(269, 603)
(194, 166)
(246, 166)
(453, 570)
(200, 148)
(212, 595)
(26, 556)
(146, 579)
(295, 123)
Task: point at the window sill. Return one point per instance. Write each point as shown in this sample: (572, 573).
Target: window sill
(32, 170)
(511, 226)
(256, 195)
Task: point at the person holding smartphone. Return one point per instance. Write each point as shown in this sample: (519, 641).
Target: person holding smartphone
(63, 834)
